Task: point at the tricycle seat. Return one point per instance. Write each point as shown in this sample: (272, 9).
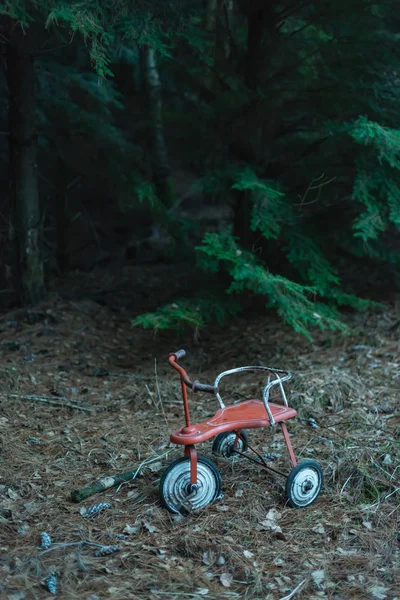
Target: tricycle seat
(250, 414)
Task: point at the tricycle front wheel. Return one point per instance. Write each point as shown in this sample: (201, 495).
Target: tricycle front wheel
(304, 484)
(176, 489)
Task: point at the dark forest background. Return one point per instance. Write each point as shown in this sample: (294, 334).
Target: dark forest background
(253, 144)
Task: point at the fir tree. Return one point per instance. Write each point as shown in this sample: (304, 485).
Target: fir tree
(306, 175)
(286, 112)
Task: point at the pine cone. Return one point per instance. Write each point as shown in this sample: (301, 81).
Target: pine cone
(106, 550)
(94, 510)
(45, 541)
(51, 583)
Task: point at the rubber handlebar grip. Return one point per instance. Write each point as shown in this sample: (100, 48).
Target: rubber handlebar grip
(203, 387)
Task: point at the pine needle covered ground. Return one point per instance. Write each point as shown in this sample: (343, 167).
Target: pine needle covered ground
(70, 353)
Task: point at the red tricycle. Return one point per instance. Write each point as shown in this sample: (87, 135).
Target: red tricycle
(192, 482)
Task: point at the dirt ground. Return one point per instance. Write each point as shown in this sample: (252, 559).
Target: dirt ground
(84, 395)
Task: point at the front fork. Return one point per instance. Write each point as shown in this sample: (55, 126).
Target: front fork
(191, 451)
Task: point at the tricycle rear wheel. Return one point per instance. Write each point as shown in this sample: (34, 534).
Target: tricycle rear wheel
(224, 443)
(304, 484)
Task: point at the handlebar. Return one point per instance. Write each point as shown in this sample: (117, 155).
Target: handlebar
(203, 387)
(195, 386)
(280, 377)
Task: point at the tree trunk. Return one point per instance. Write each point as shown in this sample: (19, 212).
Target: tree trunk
(62, 228)
(63, 221)
(23, 173)
(218, 25)
(211, 15)
(161, 168)
(260, 18)
(228, 14)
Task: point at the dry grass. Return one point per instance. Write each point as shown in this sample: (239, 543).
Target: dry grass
(344, 546)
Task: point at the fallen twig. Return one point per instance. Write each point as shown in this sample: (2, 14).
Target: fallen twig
(65, 545)
(56, 401)
(103, 484)
(108, 482)
(293, 592)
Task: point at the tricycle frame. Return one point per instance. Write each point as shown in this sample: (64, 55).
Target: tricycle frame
(190, 449)
(249, 414)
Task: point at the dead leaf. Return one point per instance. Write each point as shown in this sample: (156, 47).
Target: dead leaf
(319, 529)
(248, 554)
(273, 515)
(150, 528)
(156, 467)
(202, 591)
(132, 494)
(12, 494)
(270, 523)
(226, 579)
(209, 557)
(367, 525)
(378, 592)
(387, 460)
(131, 528)
(318, 576)
(150, 548)
(343, 552)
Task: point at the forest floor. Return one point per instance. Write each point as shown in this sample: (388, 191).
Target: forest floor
(83, 395)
